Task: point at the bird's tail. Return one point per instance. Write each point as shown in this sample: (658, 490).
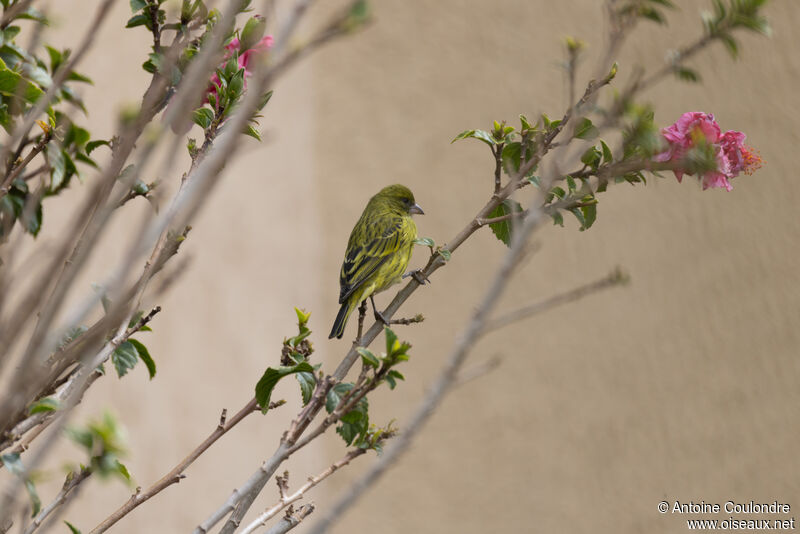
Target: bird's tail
(341, 320)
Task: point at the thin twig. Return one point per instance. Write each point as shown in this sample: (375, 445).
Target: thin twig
(175, 475)
(615, 278)
(67, 491)
(290, 521)
(13, 11)
(37, 148)
(286, 499)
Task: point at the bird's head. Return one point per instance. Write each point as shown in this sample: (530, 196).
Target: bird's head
(398, 198)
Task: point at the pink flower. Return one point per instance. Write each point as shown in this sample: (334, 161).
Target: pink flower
(244, 60)
(694, 128)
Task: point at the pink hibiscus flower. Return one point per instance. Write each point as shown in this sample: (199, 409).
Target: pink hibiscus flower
(696, 127)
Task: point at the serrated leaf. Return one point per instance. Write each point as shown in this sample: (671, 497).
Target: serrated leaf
(307, 384)
(144, 354)
(124, 358)
(557, 218)
(14, 85)
(47, 404)
(502, 230)
(585, 130)
(335, 395)
(271, 377)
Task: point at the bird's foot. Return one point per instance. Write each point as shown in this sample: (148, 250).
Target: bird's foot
(382, 319)
(418, 318)
(419, 276)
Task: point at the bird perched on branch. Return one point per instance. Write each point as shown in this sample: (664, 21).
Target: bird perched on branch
(378, 250)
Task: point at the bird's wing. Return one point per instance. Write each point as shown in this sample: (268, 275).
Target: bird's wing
(367, 252)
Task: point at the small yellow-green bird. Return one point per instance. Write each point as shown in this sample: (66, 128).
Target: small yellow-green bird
(378, 250)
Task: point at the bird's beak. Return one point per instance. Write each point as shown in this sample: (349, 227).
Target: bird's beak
(416, 209)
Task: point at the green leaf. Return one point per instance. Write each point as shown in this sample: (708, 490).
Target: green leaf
(502, 229)
(481, 135)
(591, 158)
(122, 470)
(607, 156)
(589, 216)
(15, 467)
(252, 132)
(392, 342)
(72, 528)
(31, 218)
(144, 354)
(76, 77)
(203, 117)
(368, 357)
(335, 395)
(58, 165)
(392, 377)
(425, 242)
(444, 253)
(687, 75)
(730, 43)
(307, 384)
(137, 5)
(511, 157)
(14, 85)
(557, 218)
(138, 20)
(47, 404)
(349, 432)
(571, 184)
(92, 145)
(252, 32)
(585, 130)
(124, 358)
(579, 215)
(271, 377)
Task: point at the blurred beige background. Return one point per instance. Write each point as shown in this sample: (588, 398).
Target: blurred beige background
(682, 385)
